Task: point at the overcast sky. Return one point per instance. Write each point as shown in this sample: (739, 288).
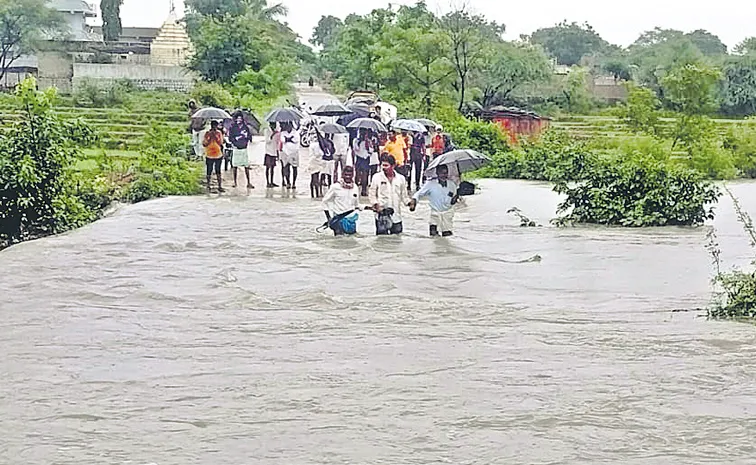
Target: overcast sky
(617, 22)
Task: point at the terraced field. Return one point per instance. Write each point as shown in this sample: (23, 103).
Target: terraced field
(606, 126)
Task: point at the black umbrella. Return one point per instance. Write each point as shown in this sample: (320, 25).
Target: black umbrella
(332, 109)
(283, 115)
(211, 113)
(250, 119)
(367, 123)
(358, 111)
(330, 128)
(428, 123)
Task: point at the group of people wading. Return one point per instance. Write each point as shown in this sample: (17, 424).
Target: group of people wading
(380, 170)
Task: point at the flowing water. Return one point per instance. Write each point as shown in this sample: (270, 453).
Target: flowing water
(225, 330)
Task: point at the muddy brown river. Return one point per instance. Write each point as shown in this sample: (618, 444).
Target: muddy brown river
(224, 330)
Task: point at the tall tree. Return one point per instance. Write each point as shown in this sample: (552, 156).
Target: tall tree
(707, 43)
(325, 32)
(748, 46)
(413, 55)
(111, 19)
(469, 36)
(507, 66)
(569, 42)
(739, 85)
(23, 23)
(659, 51)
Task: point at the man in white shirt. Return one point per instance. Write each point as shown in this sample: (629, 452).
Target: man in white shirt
(272, 149)
(341, 201)
(341, 145)
(388, 193)
(289, 155)
(442, 195)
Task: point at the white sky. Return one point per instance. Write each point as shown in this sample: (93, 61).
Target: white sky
(618, 22)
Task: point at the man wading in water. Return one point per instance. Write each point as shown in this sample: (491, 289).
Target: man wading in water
(388, 192)
(341, 200)
(213, 143)
(442, 195)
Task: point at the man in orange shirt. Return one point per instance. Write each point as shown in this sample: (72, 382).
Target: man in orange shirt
(396, 147)
(213, 144)
(437, 145)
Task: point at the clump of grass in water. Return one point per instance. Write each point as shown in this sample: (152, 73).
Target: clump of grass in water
(525, 222)
(737, 298)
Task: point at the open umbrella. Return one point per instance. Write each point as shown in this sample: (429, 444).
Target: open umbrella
(367, 123)
(249, 118)
(458, 161)
(428, 123)
(211, 113)
(357, 111)
(282, 115)
(332, 128)
(408, 125)
(332, 109)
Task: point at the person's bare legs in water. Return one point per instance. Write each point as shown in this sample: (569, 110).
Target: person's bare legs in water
(315, 185)
(294, 171)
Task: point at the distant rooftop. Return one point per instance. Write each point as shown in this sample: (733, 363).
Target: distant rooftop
(74, 6)
(129, 34)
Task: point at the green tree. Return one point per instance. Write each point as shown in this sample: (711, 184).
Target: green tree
(413, 55)
(37, 191)
(233, 35)
(691, 89)
(739, 85)
(748, 46)
(326, 30)
(353, 54)
(659, 51)
(568, 42)
(507, 66)
(111, 19)
(707, 43)
(470, 37)
(641, 112)
(576, 98)
(23, 24)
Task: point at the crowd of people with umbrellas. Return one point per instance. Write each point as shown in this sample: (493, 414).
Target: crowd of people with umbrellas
(353, 154)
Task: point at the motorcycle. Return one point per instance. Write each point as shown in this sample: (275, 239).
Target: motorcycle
(307, 134)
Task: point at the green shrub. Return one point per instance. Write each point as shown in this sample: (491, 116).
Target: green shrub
(174, 141)
(96, 95)
(637, 192)
(37, 191)
(159, 174)
(735, 297)
(740, 139)
(485, 137)
(212, 94)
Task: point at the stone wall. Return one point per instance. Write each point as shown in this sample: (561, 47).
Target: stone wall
(55, 69)
(142, 76)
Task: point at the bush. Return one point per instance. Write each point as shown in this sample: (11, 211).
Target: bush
(637, 192)
(741, 141)
(553, 157)
(159, 174)
(212, 94)
(737, 298)
(96, 95)
(167, 140)
(485, 137)
(36, 186)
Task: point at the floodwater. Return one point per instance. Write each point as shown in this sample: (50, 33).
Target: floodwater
(226, 330)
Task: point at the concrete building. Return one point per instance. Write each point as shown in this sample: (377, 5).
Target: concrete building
(76, 13)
